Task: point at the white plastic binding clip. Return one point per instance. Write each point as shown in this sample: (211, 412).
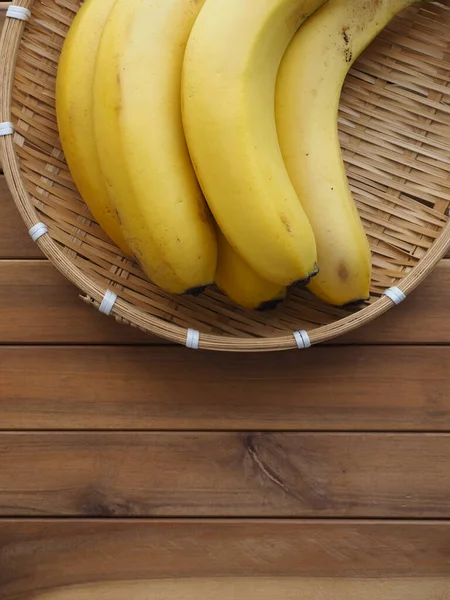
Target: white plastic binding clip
(18, 12)
(302, 339)
(38, 231)
(193, 339)
(6, 128)
(107, 304)
(395, 294)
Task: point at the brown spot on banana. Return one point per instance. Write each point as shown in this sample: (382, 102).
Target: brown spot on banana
(345, 34)
(343, 272)
(286, 223)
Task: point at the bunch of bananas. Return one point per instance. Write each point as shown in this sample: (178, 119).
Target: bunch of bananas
(202, 135)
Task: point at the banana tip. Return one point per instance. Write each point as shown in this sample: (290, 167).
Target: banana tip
(196, 291)
(269, 305)
(306, 281)
(355, 303)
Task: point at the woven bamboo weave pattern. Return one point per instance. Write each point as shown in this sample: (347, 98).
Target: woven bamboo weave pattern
(395, 133)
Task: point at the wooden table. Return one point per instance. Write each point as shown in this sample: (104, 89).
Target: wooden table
(316, 475)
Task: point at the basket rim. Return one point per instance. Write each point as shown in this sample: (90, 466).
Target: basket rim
(123, 310)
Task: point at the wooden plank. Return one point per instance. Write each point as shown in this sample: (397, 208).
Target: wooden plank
(38, 305)
(14, 239)
(39, 555)
(252, 588)
(225, 475)
(365, 388)
(422, 318)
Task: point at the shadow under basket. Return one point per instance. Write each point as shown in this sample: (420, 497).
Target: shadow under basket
(394, 127)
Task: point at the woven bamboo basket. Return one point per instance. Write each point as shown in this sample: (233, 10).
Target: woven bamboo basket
(395, 134)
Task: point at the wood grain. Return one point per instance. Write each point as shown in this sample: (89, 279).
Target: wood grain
(422, 318)
(225, 475)
(38, 305)
(228, 474)
(41, 555)
(367, 388)
(14, 239)
(252, 588)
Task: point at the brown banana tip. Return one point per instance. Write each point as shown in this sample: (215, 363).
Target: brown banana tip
(269, 305)
(304, 282)
(196, 291)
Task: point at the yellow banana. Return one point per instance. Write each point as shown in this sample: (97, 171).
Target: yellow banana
(241, 283)
(307, 97)
(229, 74)
(141, 143)
(74, 114)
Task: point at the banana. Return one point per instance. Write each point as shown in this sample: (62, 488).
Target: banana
(229, 75)
(241, 283)
(143, 153)
(74, 114)
(307, 97)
